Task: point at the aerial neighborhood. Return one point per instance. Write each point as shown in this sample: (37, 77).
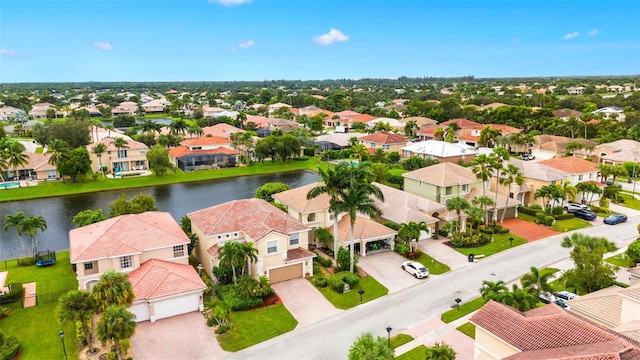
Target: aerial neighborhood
(481, 218)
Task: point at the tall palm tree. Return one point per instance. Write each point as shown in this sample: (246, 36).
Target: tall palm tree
(113, 289)
(119, 143)
(482, 201)
(250, 254)
(481, 167)
(536, 281)
(30, 226)
(359, 198)
(241, 119)
(99, 149)
(366, 347)
(78, 306)
(569, 191)
(412, 231)
(457, 204)
(333, 182)
(58, 149)
(116, 324)
(359, 150)
(498, 156)
(15, 156)
(512, 175)
(232, 254)
(411, 129)
(15, 221)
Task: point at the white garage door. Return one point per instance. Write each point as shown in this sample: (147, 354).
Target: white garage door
(141, 311)
(176, 306)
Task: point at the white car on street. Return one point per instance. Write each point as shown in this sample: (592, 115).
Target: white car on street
(416, 269)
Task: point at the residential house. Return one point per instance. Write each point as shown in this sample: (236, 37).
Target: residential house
(273, 107)
(614, 308)
(221, 130)
(369, 235)
(471, 136)
(282, 124)
(132, 156)
(576, 170)
(336, 141)
(548, 332)
(634, 275)
(7, 113)
(614, 153)
(615, 88)
(282, 241)
(565, 114)
(534, 177)
(341, 118)
(384, 140)
(393, 123)
(151, 249)
(39, 111)
(36, 168)
(125, 108)
(550, 146)
(208, 152)
(440, 150)
(611, 112)
(420, 120)
(575, 90)
(156, 106)
(211, 111)
(310, 111)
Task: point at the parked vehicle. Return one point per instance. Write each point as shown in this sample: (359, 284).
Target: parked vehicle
(572, 206)
(416, 269)
(561, 303)
(585, 214)
(566, 295)
(615, 219)
(527, 157)
(614, 184)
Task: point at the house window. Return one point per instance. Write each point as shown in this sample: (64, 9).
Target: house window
(591, 176)
(387, 147)
(122, 154)
(465, 188)
(553, 182)
(51, 174)
(293, 239)
(580, 177)
(219, 237)
(88, 266)
(126, 262)
(449, 190)
(178, 251)
(272, 246)
(311, 217)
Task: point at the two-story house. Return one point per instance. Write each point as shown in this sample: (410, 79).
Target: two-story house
(131, 156)
(440, 150)
(125, 108)
(208, 152)
(315, 214)
(7, 113)
(151, 249)
(282, 241)
(384, 140)
(156, 106)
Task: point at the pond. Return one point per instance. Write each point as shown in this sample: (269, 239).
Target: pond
(161, 121)
(177, 199)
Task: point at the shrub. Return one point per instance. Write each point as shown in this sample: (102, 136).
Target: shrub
(324, 261)
(598, 209)
(395, 179)
(233, 300)
(564, 216)
(336, 283)
(16, 293)
(211, 321)
(207, 281)
(320, 281)
(391, 225)
(528, 210)
(502, 230)
(4, 312)
(485, 230)
(535, 207)
(414, 254)
(401, 248)
(223, 274)
(557, 210)
(351, 278)
(9, 346)
(337, 280)
(316, 267)
(26, 261)
(222, 329)
(633, 251)
(344, 260)
(302, 158)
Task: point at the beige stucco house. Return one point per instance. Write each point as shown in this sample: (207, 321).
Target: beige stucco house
(384, 140)
(281, 240)
(130, 157)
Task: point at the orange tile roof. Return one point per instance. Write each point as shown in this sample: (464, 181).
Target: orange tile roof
(125, 235)
(384, 137)
(462, 124)
(347, 113)
(571, 164)
(361, 118)
(206, 140)
(222, 130)
(255, 217)
(180, 151)
(158, 278)
(109, 143)
(299, 253)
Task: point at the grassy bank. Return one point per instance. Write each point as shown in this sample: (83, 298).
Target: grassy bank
(58, 188)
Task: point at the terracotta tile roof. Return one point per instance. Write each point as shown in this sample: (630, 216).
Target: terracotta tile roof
(504, 129)
(565, 113)
(347, 113)
(443, 174)
(604, 305)
(206, 140)
(384, 137)
(158, 278)
(222, 130)
(297, 199)
(571, 164)
(108, 142)
(363, 229)
(39, 162)
(421, 120)
(260, 121)
(299, 253)
(364, 118)
(125, 235)
(550, 333)
(462, 124)
(180, 151)
(255, 217)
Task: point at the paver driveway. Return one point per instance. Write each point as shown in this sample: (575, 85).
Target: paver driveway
(179, 337)
(528, 230)
(304, 301)
(385, 267)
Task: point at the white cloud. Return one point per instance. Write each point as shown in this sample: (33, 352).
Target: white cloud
(332, 36)
(593, 32)
(10, 53)
(246, 44)
(103, 45)
(228, 3)
(570, 36)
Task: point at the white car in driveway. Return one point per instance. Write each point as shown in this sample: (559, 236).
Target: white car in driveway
(416, 269)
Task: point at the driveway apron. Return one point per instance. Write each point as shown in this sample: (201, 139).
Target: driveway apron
(304, 301)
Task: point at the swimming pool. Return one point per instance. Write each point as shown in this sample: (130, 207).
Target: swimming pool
(9, 185)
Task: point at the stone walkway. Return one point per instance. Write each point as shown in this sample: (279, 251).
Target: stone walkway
(29, 294)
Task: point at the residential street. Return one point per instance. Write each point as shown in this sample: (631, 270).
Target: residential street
(330, 338)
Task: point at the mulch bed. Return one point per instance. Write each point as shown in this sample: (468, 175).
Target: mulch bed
(272, 300)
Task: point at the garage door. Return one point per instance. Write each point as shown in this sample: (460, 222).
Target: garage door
(141, 311)
(176, 306)
(285, 273)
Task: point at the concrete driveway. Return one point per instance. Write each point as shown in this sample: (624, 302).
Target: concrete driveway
(304, 302)
(385, 267)
(179, 337)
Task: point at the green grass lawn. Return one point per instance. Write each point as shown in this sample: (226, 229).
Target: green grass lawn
(466, 308)
(400, 340)
(435, 267)
(630, 201)
(372, 290)
(59, 188)
(526, 217)
(500, 242)
(50, 279)
(570, 224)
(417, 353)
(468, 329)
(545, 271)
(255, 326)
(623, 262)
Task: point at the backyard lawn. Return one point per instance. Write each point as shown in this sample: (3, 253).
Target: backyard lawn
(255, 326)
(500, 242)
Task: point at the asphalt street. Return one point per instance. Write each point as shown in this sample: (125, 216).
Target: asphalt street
(331, 338)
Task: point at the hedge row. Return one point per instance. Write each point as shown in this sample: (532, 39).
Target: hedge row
(564, 216)
(236, 302)
(17, 293)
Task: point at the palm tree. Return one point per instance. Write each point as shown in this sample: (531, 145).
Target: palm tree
(78, 306)
(482, 201)
(232, 255)
(113, 289)
(441, 351)
(58, 149)
(15, 156)
(518, 298)
(358, 199)
(119, 143)
(512, 174)
(590, 242)
(481, 167)
(536, 281)
(412, 231)
(459, 204)
(30, 225)
(116, 324)
(334, 181)
(474, 214)
(99, 149)
(241, 119)
(491, 290)
(178, 126)
(250, 254)
(366, 347)
(15, 221)
(498, 156)
(569, 191)
(410, 129)
(359, 151)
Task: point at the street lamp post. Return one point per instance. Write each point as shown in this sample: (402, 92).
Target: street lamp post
(389, 335)
(360, 292)
(458, 301)
(64, 348)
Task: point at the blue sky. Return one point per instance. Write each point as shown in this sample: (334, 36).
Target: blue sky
(218, 40)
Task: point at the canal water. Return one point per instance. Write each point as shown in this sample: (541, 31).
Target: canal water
(177, 199)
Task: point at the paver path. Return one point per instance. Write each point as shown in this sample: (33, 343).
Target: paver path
(528, 230)
(29, 294)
